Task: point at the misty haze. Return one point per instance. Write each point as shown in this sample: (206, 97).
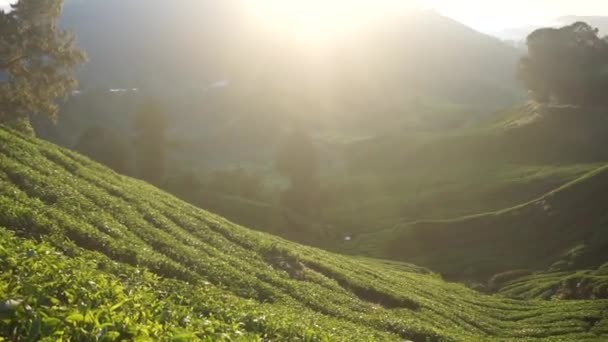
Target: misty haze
(291, 170)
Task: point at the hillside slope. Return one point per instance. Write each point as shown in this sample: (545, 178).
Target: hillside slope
(405, 175)
(85, 252)
(563, 230)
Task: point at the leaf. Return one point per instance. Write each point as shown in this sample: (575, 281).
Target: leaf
(51, 322)
(112, 335)
(118, 305)
(183, 337)
(75, 318)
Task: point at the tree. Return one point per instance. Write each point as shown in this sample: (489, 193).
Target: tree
(568, 65)
(298, 160)
(150, 125)
(105, 147)
(37, 59)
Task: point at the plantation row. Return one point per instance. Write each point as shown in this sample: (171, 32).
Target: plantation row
(128, 237)
(559, 285)
(563, 230)
(48, 295)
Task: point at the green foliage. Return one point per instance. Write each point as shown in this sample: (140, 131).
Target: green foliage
(298, 160)
(21, 124)
(37, 59)
(237, 182)
(479, 246)
(566, 64)
(94, 254)
(105, 147)
(399, 178)
(46, 295)
(585, 284)
(150, 124)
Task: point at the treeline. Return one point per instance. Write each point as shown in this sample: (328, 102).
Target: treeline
(567, 66)
(286, 199)
(142, 154)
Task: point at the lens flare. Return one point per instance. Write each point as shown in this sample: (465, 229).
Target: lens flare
(320, 20)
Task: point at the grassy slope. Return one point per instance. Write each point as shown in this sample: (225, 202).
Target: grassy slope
(410, 171)
(404, 175)
(564, 229)
(441, 193)
(121, 259)
(561, 285)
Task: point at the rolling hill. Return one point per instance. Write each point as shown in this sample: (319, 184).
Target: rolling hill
(552, 243)
(86, 253)
(564, 229)
(405, 51)
(181, 51)
(519, 155)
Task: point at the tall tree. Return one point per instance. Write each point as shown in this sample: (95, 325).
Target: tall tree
(150, 125)
(105, 147)
(37, 59)
(568, 65)
(298, 160)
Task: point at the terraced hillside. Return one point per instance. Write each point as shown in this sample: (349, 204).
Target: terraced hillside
(581, 284)
(87, 254)
(408, 175)
(564, 230)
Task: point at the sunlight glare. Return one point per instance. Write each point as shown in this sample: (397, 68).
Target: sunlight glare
(320, 20)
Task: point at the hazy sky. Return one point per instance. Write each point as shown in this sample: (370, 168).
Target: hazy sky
(4, 3)
(494, 15)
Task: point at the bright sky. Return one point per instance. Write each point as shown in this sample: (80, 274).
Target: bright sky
(494, 15)
(484, 15)
(315, 20)
(4, 4)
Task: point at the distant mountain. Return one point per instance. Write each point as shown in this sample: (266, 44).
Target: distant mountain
(191, 44)
(148, 42)
(371, 80)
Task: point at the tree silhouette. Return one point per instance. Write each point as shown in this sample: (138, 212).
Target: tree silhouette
(150, 124)
(105, 147)
(568, 65)
(298, 160)
(37, 59)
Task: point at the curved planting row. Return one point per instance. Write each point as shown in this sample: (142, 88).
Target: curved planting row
(109, 226)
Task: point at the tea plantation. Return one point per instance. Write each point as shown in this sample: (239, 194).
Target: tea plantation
(562, 231)
(87, 254)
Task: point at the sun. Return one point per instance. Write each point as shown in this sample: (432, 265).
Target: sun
(320, 20)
